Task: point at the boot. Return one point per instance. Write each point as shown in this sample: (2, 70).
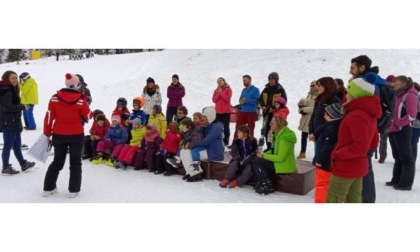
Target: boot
(196, 177)
(27, 165)
(99, 159)
(302, 155)
(9, 171)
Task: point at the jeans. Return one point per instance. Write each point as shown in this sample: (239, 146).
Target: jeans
(11, 141)
(304, 142)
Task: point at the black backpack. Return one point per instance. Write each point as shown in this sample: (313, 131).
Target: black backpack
(387, 96)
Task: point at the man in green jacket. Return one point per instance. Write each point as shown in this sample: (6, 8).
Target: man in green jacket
(29, 96)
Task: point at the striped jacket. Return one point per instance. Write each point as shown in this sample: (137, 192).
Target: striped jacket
(67, 113)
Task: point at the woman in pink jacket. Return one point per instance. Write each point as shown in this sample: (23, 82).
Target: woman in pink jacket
(221, 97)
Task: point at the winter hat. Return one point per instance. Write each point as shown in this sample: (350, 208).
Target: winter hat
(334, 110)
(273, 75)
(100, 117)
(72, 81)
(139, 101)
(173, 127)
(136, 121)
(81, 79)
(175, 76)
(150, 80)
(97, 112)
(281, 100)
(116, 118)
(390, 78)
(210, 113)
(359, 87)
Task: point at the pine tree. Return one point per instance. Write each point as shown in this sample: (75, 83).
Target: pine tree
(14, 55)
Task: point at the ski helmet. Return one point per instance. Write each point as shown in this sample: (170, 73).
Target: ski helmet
(122, 101)
(24, 76)
(273, 75)
(139, 100)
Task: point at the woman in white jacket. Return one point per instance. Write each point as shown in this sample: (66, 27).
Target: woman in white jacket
(152, 96)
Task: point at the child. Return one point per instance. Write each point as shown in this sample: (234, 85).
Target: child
(121, 110)
(127, 153)
(191, 138)
(281, 109)
(115, 138)
(197, 117)
(159, 120)
(243, 149)
(149, 146)
(168, 149)
(137, 112)
(328, 135)
(97, 133)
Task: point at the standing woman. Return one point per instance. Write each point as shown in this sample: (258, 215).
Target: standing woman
(64, 120)
(151, 95)
(221, 97)
(175, 93)
(11, 122)
(400, 133)
(306, 108)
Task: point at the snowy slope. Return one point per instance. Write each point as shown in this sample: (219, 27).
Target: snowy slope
(110, 77)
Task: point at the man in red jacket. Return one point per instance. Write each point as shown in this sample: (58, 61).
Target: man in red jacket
(357, 134)
(67, 113)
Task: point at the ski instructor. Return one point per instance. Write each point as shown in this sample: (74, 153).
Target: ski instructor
(67, 113)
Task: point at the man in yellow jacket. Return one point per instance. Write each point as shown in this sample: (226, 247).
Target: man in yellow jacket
(29, 96)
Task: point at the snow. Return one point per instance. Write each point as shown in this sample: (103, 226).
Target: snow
(110, 77)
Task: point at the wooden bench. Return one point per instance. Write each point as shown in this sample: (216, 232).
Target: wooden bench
(299, 183)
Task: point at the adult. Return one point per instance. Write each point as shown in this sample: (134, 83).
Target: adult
(416, 127)
(181, 114)
(306, 108)
(360, 67)
(63, 121)
(175, 93)
(341, 90)
(151, 95)
(84, 89)
(221, 97)
(249, 106)
(11, 123)
(273, 89)
(326, 96)
(279, 160)
(400, 133)
(212, 142)
(357, 134)
(29, 97)
(383, 139)
(57, 55)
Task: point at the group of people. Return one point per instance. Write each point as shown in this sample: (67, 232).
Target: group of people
(343, 123)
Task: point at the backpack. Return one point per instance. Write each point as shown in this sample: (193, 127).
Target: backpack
(387, 96)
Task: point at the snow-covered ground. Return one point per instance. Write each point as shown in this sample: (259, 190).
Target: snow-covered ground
(110, 77)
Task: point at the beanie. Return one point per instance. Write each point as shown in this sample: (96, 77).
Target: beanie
(280, 100)
(136, 121)
(334, 110)
(210, 113)
(150, 80)
(116, 118)
(390, 78)
(72, 81)
(175, 76)
(359, 87)
(100, 117)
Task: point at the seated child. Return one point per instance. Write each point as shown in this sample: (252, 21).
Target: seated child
(121, 110)
(128, 151)
(97, 133)
(191, 138)
(137, 112)
(149, 146)
(115, 138)
(168, 149)
(159, 120)
(243, 150)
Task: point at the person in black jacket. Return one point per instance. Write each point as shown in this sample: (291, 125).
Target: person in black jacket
(328, 136)
(11, 122)
(273, 89)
